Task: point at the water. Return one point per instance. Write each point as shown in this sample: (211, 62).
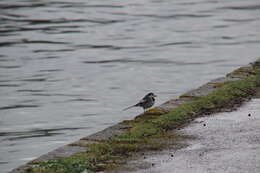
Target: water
(68, 68)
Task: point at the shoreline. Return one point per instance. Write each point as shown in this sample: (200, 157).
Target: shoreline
(111, 147)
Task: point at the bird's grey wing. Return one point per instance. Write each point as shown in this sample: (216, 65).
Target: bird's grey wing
(141, 102)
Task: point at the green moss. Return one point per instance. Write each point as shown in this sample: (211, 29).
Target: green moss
(224, 97)
(145, 132)
(73, 164)
(126, 139)
(143, 129)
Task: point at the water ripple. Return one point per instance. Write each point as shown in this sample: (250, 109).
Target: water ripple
(62, 21)
(50, 57)
(25, 5)
(248, 7)
(35, 133)
(81, 100)
(35, 80)
(55, 94)
(155, 61)
(6, 31)
(51, 70)
(91, 6)
(174, 16)
(57, 50)
(10, 85)
(237, 43)
(26, 41)
(60, 5)
(9, 66)
(18, 106)
(113, 47)
(175, 43)
(30, 90)
(239, 20)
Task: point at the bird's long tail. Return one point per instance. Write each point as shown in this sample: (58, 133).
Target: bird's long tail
(129, 107)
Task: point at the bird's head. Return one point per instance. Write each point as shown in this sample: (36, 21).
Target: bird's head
(151, 95)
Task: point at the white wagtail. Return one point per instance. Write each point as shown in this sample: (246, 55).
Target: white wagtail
(145, 103)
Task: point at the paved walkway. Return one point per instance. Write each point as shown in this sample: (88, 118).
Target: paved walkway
(226, 142)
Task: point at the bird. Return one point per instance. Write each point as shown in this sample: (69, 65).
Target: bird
(145, 103)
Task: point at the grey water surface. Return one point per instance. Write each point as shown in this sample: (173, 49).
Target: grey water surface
(68, 68)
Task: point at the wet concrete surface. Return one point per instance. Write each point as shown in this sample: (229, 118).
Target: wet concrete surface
(227, 142)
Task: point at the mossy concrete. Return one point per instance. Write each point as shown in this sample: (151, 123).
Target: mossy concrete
(223, 143)
(150, 131)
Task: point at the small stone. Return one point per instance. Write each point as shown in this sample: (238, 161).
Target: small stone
(204, 124)
(171, 155)
(249, 115)
(152, 164)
